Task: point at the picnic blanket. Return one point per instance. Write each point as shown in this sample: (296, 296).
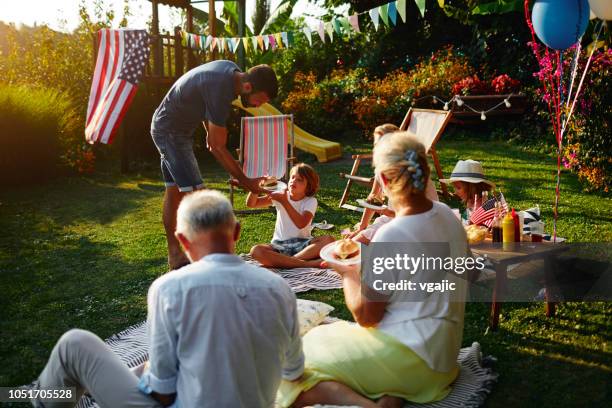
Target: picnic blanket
(304, 279)
(470, 390)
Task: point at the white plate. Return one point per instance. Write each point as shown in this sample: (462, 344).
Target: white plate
(280, 186)
(327, 254)
(365, 204)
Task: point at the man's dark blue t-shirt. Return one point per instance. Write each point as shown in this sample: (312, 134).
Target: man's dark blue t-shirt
(204, 93)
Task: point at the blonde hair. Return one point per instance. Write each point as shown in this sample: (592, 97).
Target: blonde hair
(310, 175)
(390, 160)
(382, 130)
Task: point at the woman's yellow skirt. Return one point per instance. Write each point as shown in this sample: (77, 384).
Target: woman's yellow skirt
(369, 361)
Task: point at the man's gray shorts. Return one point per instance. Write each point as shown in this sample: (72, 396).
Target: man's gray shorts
(178, 162)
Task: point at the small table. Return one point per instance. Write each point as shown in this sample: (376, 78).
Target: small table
(519, 253)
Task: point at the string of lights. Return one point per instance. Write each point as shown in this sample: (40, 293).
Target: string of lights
(460, 102)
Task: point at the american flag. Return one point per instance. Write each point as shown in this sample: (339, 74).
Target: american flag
(486, 212)
(122, 56)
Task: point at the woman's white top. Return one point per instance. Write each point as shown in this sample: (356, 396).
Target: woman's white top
(432, 327)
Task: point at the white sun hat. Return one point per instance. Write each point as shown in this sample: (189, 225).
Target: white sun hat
(469, 171)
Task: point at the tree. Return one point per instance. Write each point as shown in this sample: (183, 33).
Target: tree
(261, 16)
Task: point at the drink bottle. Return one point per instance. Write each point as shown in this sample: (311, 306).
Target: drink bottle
(508, 231)
(496, 227)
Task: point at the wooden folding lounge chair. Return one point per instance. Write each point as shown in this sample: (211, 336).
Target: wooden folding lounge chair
(428, 126)
(266, 148)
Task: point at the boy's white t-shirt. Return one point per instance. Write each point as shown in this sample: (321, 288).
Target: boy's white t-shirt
(433, 327)
(285, 228)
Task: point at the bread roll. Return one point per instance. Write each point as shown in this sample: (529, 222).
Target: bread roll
(346, 248)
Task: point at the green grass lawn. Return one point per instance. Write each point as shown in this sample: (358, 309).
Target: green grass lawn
(82, 251)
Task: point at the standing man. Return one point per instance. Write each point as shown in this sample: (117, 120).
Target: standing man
(202, 95)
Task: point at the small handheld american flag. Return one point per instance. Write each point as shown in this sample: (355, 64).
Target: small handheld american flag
(122, 57)
(486, 212)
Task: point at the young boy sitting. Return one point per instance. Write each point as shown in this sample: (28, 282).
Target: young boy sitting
(292, 245)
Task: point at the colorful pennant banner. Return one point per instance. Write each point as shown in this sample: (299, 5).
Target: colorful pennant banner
(387, 13)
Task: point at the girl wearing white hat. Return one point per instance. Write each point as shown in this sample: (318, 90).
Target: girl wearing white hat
(469, 182)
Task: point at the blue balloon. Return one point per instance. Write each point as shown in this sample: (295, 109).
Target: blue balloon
(560, 23)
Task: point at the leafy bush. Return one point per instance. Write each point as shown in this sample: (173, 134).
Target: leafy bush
(388, 99)
(39, 129)
(45, 58)
(40, 64)
(588, 146)
(324, 107)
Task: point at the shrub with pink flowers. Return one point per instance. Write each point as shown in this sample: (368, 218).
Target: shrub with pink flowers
(586, 143)
(473, 85)
(503, 84)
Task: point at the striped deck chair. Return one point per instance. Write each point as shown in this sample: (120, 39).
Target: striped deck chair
(266, 148)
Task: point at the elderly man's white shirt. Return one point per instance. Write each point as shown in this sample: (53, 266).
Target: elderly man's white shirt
(222, 333)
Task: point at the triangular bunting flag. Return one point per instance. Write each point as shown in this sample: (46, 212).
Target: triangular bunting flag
(236, 43)
(337, 28)
(272, 42)
(401, 9)
(308, 35)
(245, 44)
(285, 38)
(330, 30)
(421, 5)
(374, 16)
(354, 20)
(266, 40)
(261, 42)
(255, 41)
(184, 36)
(345, 25)
(278, 39)
(196, 41)
(213, 44)
(290, 39)
(392, 13)
(384, 13)
(221, 44)
(208, 41)
(321, 31)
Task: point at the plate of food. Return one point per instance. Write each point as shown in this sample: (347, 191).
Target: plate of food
(344, 251)
(273, 184)
(372, 203)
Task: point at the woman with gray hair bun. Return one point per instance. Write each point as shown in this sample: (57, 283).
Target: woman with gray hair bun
(405, 343)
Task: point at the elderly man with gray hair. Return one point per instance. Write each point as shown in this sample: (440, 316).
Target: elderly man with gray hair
(221, 332)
